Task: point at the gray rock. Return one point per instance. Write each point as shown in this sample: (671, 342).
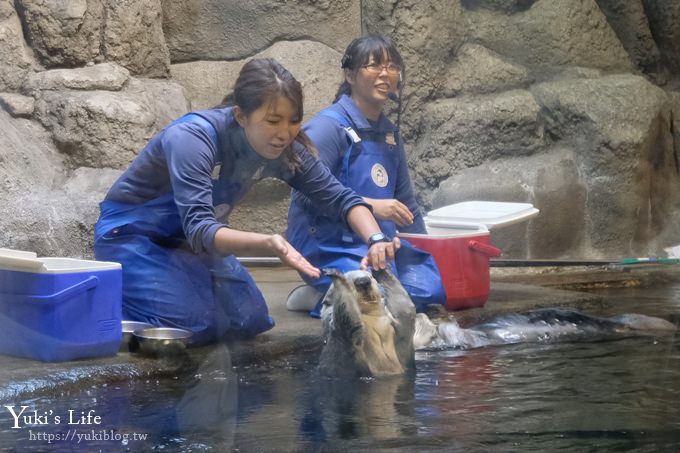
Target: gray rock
(105, 128)
(620, 128)
(216, 30)
(42, 208)
(206, 82)
(465, 132)
(314, 65)
(16, 57)
(17, 105)
(614, 111)
(549, 180)
(477, 69)
(46, 222)
(62, 33)
(28, 159)
(629, 21)
(166, 98)
(133, 37)
(86, 188)
(104, 76)
(664, 21)
(551, 35)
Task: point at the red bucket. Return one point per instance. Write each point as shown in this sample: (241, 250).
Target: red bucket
(463, 261)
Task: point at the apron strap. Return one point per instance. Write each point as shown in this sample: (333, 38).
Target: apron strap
(352, 136)
(205, 124)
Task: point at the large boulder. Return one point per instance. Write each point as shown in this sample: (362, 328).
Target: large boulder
(104, 76)
(43, 208)
(477, 69)
(29, 159)
(16, 57)
(629, 21)
(62, 33)
(218, 30)
(75, 32)
(614, 192)
(664, 21)
(620, 127)
(467, 131)
(548, 35)
(133, 37)
(551, 181)
(108, 128)
(315, 65)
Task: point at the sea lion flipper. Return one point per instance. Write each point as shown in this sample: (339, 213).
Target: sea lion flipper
(403, 311)
(341, 298)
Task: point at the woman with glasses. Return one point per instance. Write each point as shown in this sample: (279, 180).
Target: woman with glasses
(363, 149)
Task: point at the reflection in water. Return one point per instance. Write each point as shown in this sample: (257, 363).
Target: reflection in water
(596, 396)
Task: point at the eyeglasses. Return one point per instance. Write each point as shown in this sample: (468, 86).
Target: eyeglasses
(375, 68)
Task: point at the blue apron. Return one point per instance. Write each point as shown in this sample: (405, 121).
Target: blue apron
(327, 243)
(165, 283)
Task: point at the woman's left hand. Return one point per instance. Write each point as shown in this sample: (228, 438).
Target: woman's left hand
(379, 253)
(288, 255)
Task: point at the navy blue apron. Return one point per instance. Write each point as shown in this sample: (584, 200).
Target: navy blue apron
(165, 283)
(327, 243)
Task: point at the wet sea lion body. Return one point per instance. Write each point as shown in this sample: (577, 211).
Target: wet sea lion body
(367, 332)
(545, 325)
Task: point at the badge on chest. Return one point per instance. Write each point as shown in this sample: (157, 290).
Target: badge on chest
(379, 175)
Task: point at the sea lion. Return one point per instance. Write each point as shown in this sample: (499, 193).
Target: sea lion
(543, 325)
(367, 332)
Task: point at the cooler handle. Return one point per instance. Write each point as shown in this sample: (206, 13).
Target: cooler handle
(486, 249)
(85, 285)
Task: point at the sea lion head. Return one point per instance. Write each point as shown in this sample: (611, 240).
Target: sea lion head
(368, 292)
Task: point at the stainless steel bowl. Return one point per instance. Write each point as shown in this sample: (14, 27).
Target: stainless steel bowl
(129, 342)
(162, 341)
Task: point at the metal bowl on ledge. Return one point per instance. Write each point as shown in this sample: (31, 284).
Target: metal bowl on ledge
(162, 341)
(129, 342)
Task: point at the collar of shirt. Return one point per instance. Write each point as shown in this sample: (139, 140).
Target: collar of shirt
(244, 159)
(382, 125)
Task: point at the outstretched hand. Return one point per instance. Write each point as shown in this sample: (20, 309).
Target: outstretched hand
(379, 253)
(288, 255)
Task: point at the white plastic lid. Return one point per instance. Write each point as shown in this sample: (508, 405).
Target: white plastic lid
(491, 214)
(19, 260)
(448, 233)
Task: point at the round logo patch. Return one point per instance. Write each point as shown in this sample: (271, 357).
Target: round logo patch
(379, 175)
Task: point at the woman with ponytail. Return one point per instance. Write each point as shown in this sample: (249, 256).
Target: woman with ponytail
(363, 149)
(166, 218)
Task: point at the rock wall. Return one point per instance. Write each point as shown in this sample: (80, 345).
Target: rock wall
(572, 105)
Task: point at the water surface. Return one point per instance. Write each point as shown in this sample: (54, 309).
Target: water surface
(588, 396)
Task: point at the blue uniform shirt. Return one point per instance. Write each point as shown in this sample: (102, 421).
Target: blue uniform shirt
(183, 160)
(331, 141)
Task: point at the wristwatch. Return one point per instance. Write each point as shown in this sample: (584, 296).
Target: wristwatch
(377, 237)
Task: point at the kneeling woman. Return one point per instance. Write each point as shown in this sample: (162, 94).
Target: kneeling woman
(364, 150)
(165, 218)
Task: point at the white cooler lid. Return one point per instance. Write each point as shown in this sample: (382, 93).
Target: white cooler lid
(19, 260)
(492, 214)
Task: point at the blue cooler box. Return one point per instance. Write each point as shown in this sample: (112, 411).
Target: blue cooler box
(58, 309)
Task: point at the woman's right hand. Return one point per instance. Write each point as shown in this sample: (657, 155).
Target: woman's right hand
(288, 255)
(391, 209)
(380, 254)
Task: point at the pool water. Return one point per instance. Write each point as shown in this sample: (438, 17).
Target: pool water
(588, 396)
